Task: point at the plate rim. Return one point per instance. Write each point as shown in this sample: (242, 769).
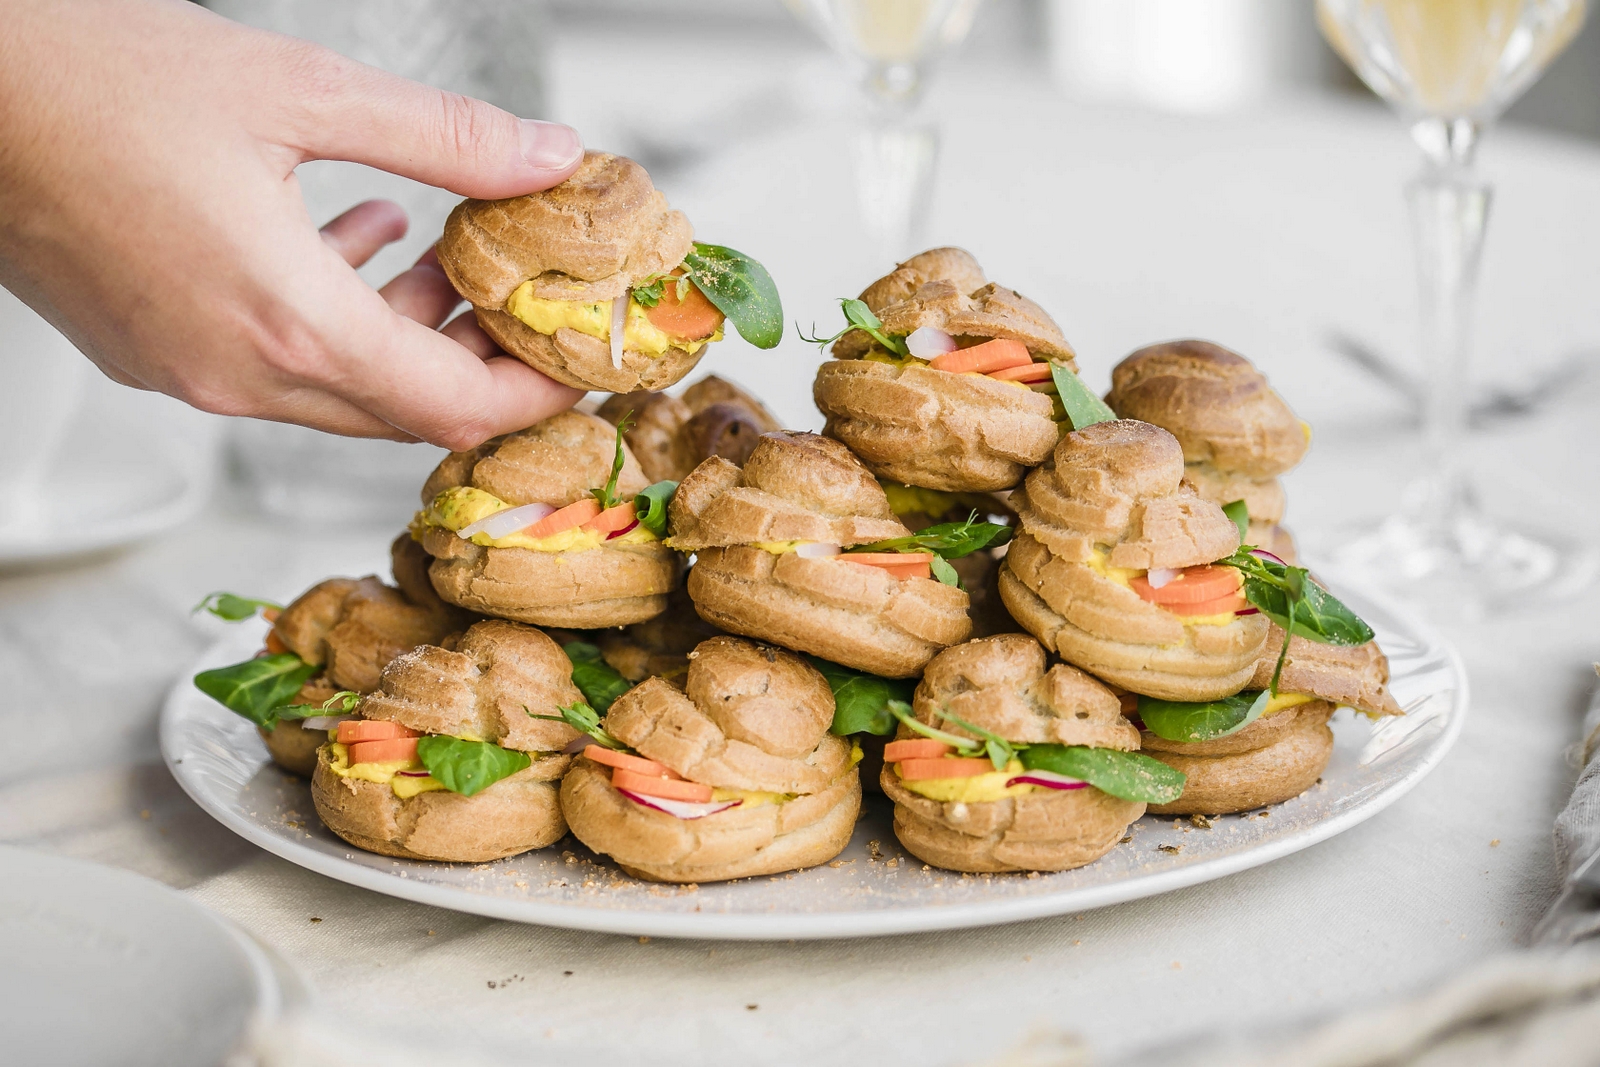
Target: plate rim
(815, 926)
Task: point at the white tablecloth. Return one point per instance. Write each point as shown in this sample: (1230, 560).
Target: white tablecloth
(1262, 232)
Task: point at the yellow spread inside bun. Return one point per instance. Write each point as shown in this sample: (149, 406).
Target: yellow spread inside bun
(638, 335)
(384, 773)
(460, 506)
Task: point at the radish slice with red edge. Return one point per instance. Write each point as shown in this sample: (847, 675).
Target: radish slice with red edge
(412, 774)
(1160, 576)
(577, 744)
(619, 326)
(324, 722)
(681, 809)
(507, 522)
(928, 342)
(1047, 779)
(628, 529)
(817, 550)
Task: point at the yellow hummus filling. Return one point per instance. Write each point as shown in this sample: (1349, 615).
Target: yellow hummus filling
(460, 506)
(979, 789)
(385, 773)
(639, 334)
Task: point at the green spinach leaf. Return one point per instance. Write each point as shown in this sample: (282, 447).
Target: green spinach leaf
(944, 572)
(950, 540)
(234, 608)
(1178, 720)
(1082, 406)
(1239, 512)
(258, 687)
(741, 289)
(650, 506)
(468, 767)
(1126, 775)
(597, 680)
(861, 700)
(1276, 588)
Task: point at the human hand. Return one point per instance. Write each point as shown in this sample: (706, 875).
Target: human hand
(149, 210)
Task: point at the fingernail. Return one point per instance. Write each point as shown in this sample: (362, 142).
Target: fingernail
(550, 145)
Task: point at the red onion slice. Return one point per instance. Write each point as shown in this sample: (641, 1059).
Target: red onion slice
(817, 550)
(619, 326)
(927, 342)
(1160, 576)
(1262, 553)
(577, 744)
(1248, 611)
(325, 722)
(680, 809)
(509, 521)
(412, 774)
(628, 529)
(1048, 779)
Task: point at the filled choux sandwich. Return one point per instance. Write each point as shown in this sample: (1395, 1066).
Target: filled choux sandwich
(979, 572)
(554, 525)
(599, 284)
(334, 639)
(1004, 765)
(1238, 436)
(670, 436)
(943, 380)
(799, 548)
(733, 775)
(449, 759)
(1104, 527)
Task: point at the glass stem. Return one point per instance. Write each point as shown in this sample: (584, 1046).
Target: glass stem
(1449, 210)
(895, 158)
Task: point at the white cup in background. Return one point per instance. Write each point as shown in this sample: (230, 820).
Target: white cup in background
(43, 378)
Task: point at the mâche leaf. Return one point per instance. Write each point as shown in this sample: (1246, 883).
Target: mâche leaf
(1239, 512)
(234, 608)
(741, 289)
(1082, 406)
(341, 703)
(858, 316)
(1178, 720)
(468, 767)
(258, 687)
(945, 573)
(585, 720)
(1275, 588)
(608, 495)
(861, 700)
(597, 680)
(1126, 775)
(950, 540)
(650, 506)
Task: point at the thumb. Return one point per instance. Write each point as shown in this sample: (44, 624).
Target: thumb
(354, 112)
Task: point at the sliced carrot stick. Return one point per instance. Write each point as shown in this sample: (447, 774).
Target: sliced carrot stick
(1222, 605)
(1033, 372)
(274, 643)
(1191, 586)
(986, 358)
(917, 568)
(611, 519)
(395, 748)
(887, 559)
(574, 514)
(629, 762)
(916, 748)
(693, 318)
(927, 770)
(355, 730)
(666, 788)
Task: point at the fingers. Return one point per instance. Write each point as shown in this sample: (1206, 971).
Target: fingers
(350, 111)
(359, 233)
(423, 293)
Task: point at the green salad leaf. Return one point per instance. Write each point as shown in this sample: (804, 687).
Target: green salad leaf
(607, 496)
(468, 767)
(741, 289)
(1239, 512)
(949, 540)
(257, 688)
(1082, 406)
(1178, 720)
(1278, 590)
(1126, 775)
(234, 608)
(597, 680)
(943, 572)
(858, 316)
(585, 720)
(341, 703)
(650, 506)
(860, 700)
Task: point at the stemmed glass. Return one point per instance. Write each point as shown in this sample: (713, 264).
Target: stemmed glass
(893, 40)
(1450, 67)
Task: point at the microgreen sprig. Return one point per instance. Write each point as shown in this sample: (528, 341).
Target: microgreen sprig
(608, 495)
(584, 719)
(859, 317)
(233, 608)
(341, 703)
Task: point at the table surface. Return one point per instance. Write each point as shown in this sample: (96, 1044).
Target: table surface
(1264, 232)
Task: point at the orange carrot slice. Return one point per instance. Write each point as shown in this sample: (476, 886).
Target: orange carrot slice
(611, 519)
(395, 748)
(691, 319)
(1033, 372)
(887, 559)
(666, 788)
(372, 730)
(927, 770)
(1222, 605)
(986, 358)
(916, 748)
(1192, 586)
(574, 514)
(629, 762)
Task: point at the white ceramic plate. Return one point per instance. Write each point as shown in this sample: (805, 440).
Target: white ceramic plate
(103, 966)
(873, 887)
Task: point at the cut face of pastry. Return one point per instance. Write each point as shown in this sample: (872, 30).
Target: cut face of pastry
(972, 809)
(671, 437)
(517, 528)
(773, 543)
(594, 282)
(732, 776)
(446, 761)
(1109, 569)
(946, 384)
(1238, 435)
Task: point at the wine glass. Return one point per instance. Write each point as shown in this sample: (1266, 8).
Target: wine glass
(1450, 67)
(892, 41)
